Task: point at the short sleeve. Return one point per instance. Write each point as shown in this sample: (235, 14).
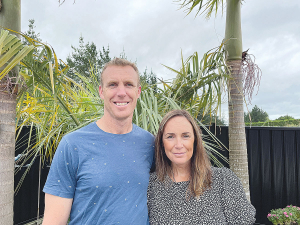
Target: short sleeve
(237, 209)
(61, 180)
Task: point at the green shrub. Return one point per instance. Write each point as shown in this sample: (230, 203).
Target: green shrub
(288, 215)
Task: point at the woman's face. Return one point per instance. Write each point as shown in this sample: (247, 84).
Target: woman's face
(178, 139)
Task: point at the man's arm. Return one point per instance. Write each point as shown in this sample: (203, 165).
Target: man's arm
(57, 210)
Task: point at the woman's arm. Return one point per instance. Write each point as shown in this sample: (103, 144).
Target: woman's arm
(237, 209)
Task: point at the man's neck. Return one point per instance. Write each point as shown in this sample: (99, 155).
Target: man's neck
(115, 127)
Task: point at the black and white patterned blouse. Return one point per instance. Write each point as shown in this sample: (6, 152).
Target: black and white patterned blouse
(224, 203)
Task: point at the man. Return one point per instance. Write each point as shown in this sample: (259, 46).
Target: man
(100, 173)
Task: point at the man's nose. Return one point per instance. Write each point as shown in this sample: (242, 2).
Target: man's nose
(121, 91)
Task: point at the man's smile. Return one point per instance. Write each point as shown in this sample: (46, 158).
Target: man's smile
(121, 103)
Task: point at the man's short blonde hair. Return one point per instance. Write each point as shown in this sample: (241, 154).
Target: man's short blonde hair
(120, 62)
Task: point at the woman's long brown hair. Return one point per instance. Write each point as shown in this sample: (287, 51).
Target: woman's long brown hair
(201, 175)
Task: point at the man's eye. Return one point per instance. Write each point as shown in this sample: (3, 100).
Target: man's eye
(112, 85)
(129, 84)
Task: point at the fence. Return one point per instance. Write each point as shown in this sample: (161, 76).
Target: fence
(28, 203)
(274, 170)
(274, 166)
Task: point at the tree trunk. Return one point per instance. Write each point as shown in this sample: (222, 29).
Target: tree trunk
(7, 154)
(10, 14)
(238, 160)
(10, 17)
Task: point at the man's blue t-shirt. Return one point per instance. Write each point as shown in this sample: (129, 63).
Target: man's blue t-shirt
(106, 175)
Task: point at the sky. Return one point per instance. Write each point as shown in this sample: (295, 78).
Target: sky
(155, 32)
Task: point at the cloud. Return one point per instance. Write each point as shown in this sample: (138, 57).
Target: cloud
(156, 32)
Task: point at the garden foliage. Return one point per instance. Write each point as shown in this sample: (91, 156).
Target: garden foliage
(288, 215)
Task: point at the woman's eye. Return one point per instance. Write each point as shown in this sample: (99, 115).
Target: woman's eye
(168, 137)
(186, 136)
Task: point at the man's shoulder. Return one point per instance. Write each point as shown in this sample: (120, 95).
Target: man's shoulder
(141, 132)
(82, 132)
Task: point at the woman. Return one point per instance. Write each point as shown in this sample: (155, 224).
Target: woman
(185, 189)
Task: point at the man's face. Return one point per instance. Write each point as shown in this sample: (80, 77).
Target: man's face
(120, 91)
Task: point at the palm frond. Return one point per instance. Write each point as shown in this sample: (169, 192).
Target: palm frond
(11, 51)
(202, 6)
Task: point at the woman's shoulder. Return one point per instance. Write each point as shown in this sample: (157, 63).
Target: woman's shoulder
(153, 177)
(222, 172)
(155, 181)
(226, 179)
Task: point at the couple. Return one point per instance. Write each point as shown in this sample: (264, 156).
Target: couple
(100, 173)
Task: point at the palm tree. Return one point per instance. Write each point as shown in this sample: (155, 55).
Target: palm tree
(11, 52)
(46, 93)
(238, 160)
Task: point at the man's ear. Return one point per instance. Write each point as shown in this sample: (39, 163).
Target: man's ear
(139, 91)
(101, 92)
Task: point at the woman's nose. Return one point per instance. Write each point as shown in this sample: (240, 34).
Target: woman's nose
(178, 143)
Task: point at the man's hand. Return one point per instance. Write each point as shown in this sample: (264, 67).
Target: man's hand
(57, 210)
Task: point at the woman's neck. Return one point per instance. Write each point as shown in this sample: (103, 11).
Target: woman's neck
(180, 173)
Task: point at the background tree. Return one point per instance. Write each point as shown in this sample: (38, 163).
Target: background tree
(208, 119)
(238, 161)
(10, 17)
(149, 80)
(31, 33)
(286, 121)
(86, 58)
(286, 117)
(256, 115)
(282, 121)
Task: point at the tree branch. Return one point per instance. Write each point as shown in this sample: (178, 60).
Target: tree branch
(59, 1)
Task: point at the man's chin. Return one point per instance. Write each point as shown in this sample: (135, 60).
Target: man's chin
(123, 117)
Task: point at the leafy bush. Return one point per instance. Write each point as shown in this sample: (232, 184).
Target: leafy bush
(287, 215)
(276, 123)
